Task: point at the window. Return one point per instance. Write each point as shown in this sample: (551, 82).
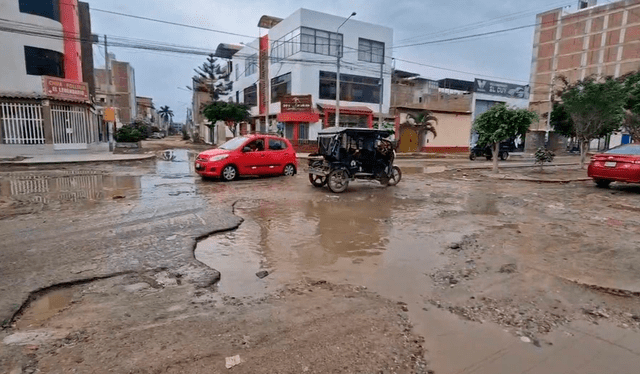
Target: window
(320, 42)
(277, 145)
(303, 131)
(256, 145)
(288, 131)
(370, 51)
(286, 46)
(44, 62)
(352, 87)
(43, 8)
(251, 65)
(237, 71)
(280, 86)
(251, 95)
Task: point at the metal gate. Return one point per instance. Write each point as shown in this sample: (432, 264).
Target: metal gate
(74, 127)
(21, 123)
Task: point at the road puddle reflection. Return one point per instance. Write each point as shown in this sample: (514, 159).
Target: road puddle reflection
(357, 240)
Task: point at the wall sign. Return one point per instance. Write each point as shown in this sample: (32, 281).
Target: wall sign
(296, 103)
(501, 89)
(59, 88)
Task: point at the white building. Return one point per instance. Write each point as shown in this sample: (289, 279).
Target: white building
(303, 51)
(45, 99)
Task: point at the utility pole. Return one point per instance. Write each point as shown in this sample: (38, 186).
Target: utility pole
(107, 63)
(338, 72)
(381, 95)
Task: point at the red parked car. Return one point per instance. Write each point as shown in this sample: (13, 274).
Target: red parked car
(620, 164)
(248, 155)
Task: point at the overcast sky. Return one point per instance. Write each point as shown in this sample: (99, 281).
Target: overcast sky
(163, 76)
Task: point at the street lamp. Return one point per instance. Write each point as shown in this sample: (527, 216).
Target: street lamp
(338, 71)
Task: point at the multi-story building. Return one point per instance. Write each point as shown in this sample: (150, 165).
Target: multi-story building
(146, 110)
(601, 40)
(116, 88)
(296, 61)
(46, 82)
(455, 103)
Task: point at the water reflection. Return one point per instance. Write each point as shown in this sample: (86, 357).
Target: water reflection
(66, 186)
(352, 238)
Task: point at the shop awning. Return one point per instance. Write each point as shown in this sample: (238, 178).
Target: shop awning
(310, 117)
(362, 110)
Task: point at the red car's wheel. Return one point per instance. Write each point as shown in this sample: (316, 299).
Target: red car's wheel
(289, 170)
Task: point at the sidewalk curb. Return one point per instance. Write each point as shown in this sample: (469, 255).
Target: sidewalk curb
(4, 164)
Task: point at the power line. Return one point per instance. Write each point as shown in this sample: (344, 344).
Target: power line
(172, 23)
(482, 24)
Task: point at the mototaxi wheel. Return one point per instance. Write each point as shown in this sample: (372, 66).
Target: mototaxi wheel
(472, 156)
(503, 155)
(317, 180)
(338, 181)
(396, 176)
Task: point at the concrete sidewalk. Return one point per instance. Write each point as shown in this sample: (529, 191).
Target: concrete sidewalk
(77, 158)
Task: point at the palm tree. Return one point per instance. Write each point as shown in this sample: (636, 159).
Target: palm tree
(165, 113)
(425, 120)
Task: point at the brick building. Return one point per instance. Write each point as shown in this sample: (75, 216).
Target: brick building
(120, 92)
(601, 40)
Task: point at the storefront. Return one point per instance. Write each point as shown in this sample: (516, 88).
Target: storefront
(350, 116)
(298, 117)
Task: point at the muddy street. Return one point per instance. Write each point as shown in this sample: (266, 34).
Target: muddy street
(144, 267)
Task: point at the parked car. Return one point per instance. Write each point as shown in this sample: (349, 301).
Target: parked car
(487, 152)
(345, 154)
(621, 164)
(248, 155)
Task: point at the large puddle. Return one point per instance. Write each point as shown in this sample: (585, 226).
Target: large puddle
(364, 240)
(27, 192)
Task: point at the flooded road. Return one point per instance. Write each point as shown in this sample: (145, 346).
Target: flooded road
(497, 276)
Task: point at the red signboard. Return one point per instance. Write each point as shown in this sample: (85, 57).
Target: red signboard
(296, 103)
(263, 66)
(59, 88)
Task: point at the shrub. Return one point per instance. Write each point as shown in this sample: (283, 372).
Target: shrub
(143, 126)
(543, 155)
(128, 134)
(185, 134)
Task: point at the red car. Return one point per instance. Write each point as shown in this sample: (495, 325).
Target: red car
(617, 164)
(248, 155)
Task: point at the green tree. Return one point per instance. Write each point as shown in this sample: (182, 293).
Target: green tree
(561, 121)
(596, 108)
(227, 112)
(207, 76)
(632, 106)
(501, 123)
